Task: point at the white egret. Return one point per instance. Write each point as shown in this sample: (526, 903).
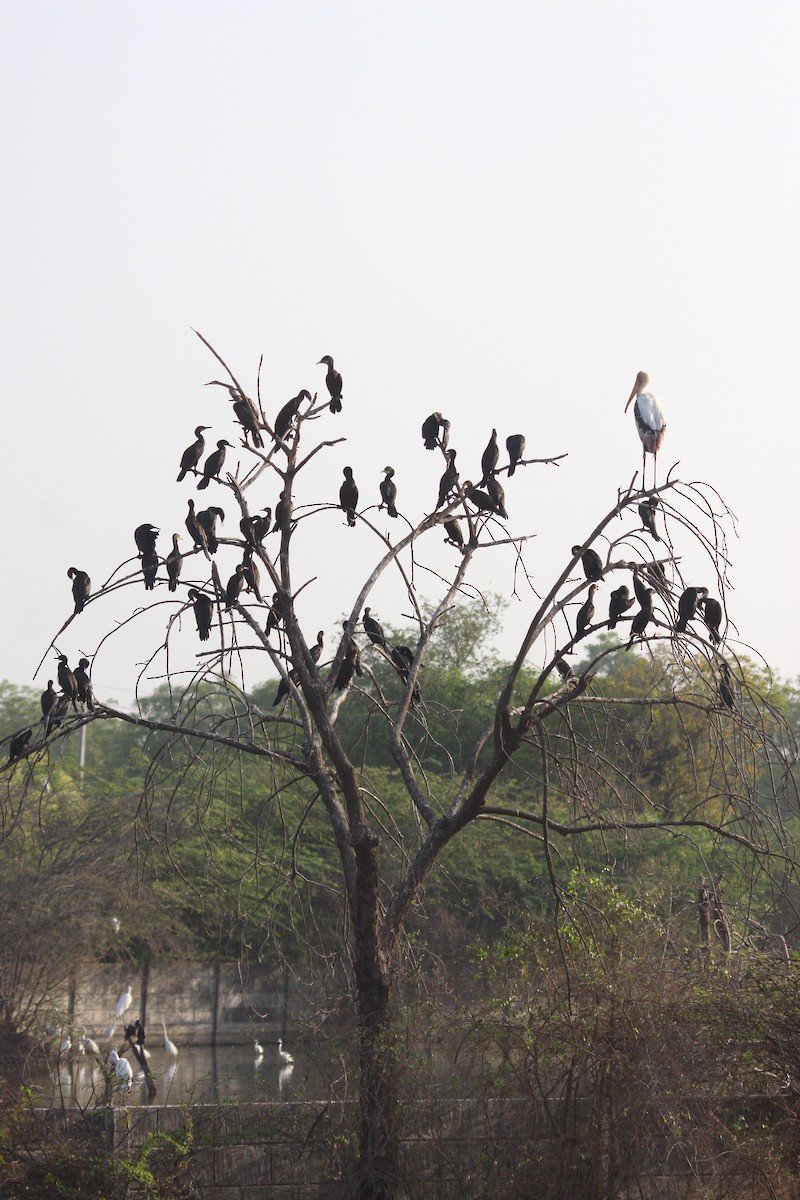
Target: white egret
(122, 1069)
(65, 1047)
(89, 1045)
(124, 1002)
(170, 1047)
(259, 1049)
(108, 1032)
(650, 420)
(285, 1057)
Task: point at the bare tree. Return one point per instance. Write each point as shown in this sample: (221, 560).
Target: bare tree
(549, 724)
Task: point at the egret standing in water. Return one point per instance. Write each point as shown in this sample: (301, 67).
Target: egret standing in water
(284, 1055)
(170, 1047)
(650, 420)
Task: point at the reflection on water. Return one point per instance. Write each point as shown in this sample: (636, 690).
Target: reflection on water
(201, 1074)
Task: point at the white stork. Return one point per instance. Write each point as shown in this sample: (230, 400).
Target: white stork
(650, 420)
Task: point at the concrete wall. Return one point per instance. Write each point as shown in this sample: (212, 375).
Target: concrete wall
(195, 1001)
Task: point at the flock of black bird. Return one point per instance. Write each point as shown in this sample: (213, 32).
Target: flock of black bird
(487, 497)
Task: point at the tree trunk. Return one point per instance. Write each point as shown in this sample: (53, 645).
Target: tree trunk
(378, 1139)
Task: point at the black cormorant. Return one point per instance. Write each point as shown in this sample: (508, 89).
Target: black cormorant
(725, 689)
(81, 587)
(591, 562)
(388, 490)
(145, 538)
(286, 416)
(489, 459)
(348, 496)
(203, 607)
(235, 587)
(498, 497)
(647, 515)
(192, 454)
(196, 531)
(19, 744)
(334, 382)
(213, 464)
(712, 615)
(403, 658)
(454, 535)
(252, 575)
(85, 694)
(174, 563)
(448, 480)
(619, 603)
(255, 529)
(276, 613)
(374, 630)
(67, 681)
(247, 416)
(431, 427)
(687, 606)
(49, 701)
(644, 616)
(149, 569)
(585, 613)
(515, 445)
(207, 520)
(283, 514)
(350, 664)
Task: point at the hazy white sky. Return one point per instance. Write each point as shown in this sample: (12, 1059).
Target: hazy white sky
(503, 211)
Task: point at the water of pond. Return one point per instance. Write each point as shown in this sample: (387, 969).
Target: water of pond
(200, 1074)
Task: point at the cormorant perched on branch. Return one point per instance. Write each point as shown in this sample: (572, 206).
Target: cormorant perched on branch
(489, 459)
(213, 464)
(647, 515)
(348, 496)
(247, 416)
(49, 701)
(619, 603)
(449, 479)
(235, 586)
(174, 563)
(564, 669)
(19, 744)
(388, 490)
(196, 531)
(712, 615)
(644, 616)
(85, 694)
(334, 383)
(81, 587)
(725, 688)
(286, 416)
(454, 535)
(515, 445)
(283, 686)
(149, 569)
(276, 613)
(67, 681)
(350, 665)
(498, 497)
(255, 529)
(431, 427)
(403, 657)
(203, 607)
(192, 454)
(482, 500)
(252, 575)
(374, 630)
(145, 538)
(283, 514)
(207, 520)
(585, 613)
(687, 606)
(591, 562)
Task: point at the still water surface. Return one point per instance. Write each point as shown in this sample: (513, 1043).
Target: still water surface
(200, 1074)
